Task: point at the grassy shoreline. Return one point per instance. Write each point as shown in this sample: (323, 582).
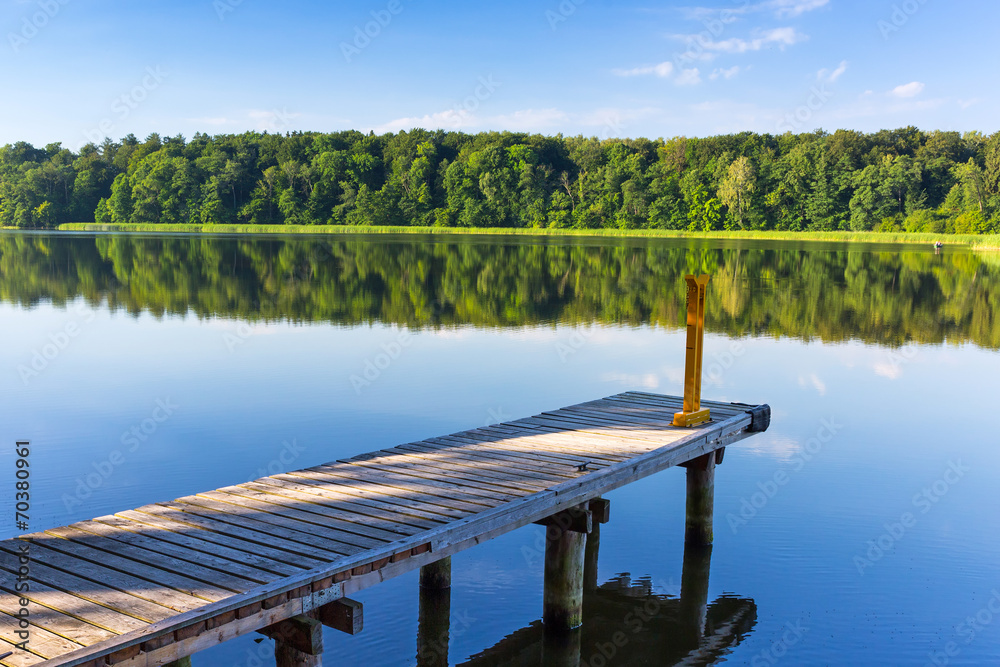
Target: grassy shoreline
(979, 242)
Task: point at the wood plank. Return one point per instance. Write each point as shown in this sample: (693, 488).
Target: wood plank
(534, 467)
(17, 657)
(524, 443)
(250, 531)
(68, 570)
(554, 461)
(219, 579)
(142, 574)
(453, 454)
(41, 642)
(479, 477)
(198, 538)
(332, 516)
(383, 494)
(308, 524)
(285, 533)
(380, 517)
(416, 490)
(250, 574)
(469, 490)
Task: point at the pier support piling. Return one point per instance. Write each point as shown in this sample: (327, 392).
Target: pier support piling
(564, 565)
(434, 621)
(436, 576)
(694, 592)
(298, 642)
(700, 500)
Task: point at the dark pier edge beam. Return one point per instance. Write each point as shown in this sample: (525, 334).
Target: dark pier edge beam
(565, 544)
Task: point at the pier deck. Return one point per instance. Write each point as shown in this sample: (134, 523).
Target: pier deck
(158, 583)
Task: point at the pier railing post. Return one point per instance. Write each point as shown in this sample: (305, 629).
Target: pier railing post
(565, 544)
(700, 500)
(434, 616)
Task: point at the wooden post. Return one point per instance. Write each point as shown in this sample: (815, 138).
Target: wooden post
(561, 649)
(694, 592)
(434, 620)
(591, 553)
(700, 500)
(434, 627)
(436, 575)
(183, 662)
(298, 642)
(563, 597)
(697, 286)
(600, 510)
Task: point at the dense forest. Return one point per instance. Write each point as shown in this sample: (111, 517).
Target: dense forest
(889, 298)
(899, 180)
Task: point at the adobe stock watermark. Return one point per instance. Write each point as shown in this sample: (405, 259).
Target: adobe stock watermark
(900, 16)
(773, 654)
(496, 416)
(769, 488)
(576, 342)
(57, 343)
(895, 360)
(484, 91)
(562, 13)
(967, 632)
(223, 7)
(36, 22)
(375, 366)
(363, 36)
(132, 440)
(924, 501)
(289, 454)
(123, 106)
(724, 361)
(635, 621)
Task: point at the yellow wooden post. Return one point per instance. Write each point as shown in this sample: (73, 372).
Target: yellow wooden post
(693, 414)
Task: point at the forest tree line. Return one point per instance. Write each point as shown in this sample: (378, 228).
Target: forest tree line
(892, 180)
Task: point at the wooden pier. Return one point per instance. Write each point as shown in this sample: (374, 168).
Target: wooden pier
(280, 555)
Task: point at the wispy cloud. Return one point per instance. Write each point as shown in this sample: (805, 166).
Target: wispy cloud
(663, 70)
(783, 9)
(908, 90)
(460, 119)
(724, 73)
(776, 37)
(688, 77)
(831, 77)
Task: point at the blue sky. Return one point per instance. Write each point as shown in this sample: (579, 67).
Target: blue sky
(75, 71)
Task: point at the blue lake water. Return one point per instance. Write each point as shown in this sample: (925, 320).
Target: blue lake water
(863, 525)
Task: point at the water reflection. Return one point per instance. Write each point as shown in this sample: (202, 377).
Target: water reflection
(824, 291)
(626, 622)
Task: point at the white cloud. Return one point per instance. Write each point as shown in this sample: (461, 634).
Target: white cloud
(791, 8)
(725, 73)
(816, 383)
(459, 119)
(689, 77)
(780, 37)
(779, 447)
(831, 77)
(781, 8)
(965, 104)
(890, 371)
(908, 90)
(646, 381)
(664, 70)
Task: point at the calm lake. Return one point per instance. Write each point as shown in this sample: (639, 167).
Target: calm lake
(862, 528)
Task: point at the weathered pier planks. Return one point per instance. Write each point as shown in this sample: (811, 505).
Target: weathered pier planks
(280, 555)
